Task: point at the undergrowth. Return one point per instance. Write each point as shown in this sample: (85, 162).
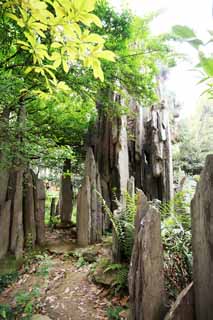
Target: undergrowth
(26, 301)
(113, 313)
(122, 220)
(7, 279)
(176, 238)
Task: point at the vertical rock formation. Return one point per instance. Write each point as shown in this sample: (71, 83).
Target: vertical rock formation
(66, 193)
(22, 213)
(89, 212)
(29, 209)
(202, 242)
(183, 308)
(146, 280)
(17, 228)
(150, 151)
(52, 208)
(39, 201)
(109, 141)
(5, 217)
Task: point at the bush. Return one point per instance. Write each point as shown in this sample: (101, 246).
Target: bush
(176, 237)
(113, 313)
(123, 223)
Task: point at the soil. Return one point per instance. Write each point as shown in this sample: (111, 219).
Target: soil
(66, 293)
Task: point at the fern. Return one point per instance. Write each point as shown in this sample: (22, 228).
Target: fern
(121, 271)
(123, 222)
(176, 237)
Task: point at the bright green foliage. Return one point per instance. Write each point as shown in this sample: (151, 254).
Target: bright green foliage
(184, 33)
(121, 279)
(195, 142)
(7, 279)
(176, 237)
(6, 312)
(138, 55)
(25, 303)
(123, 223)
(55, 126)
(55, 33)
(113, 313)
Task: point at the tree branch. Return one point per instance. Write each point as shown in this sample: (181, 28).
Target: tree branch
(141, 53)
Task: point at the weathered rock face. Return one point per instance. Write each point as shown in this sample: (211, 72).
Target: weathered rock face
(39, 204)
(17, 228)
(183, 308)
(84, 214)
(202, 242)
(145, 153)
(22, 213)
(89, 211)
(66, 194)
(52, 208)
(5, 216)
(110, 144)
(146, 279)
(29, 209)
(150, 152)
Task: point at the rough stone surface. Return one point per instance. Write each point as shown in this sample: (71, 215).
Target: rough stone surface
(131, 186)
(150, 151)
(83, 214)
(4, 227)
(109, 142)
(89, 209)
(123, 156)
(4, 178)
(52, 208)
(146, 280)
(183, 308)
(29, 209)
(202, 242)
(66, 193)
(40, 211)
(17, 232)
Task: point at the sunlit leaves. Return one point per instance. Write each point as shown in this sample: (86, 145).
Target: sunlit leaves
(207, 64)
(184, 33)
(56, 33)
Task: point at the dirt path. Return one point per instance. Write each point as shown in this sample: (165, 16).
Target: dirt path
(71, 296)
(66, 293)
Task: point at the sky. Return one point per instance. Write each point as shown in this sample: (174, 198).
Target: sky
(196, 14)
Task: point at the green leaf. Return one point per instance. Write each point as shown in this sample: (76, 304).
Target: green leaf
(106, 54)
(98, 72)
(207, 64)
(65, 66)
(183, 32)
(195, 43)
